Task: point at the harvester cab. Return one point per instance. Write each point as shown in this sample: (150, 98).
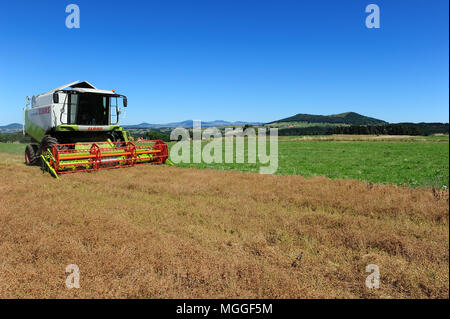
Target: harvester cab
(76, 128)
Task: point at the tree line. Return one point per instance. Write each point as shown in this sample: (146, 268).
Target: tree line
(423, 129)
(14, 137)
(156, 135)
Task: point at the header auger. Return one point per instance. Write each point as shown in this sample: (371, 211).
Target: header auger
(76, 128)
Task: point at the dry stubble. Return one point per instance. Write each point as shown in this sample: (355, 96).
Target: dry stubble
(166, 232)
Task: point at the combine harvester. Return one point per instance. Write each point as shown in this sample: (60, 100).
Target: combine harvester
(76, 128)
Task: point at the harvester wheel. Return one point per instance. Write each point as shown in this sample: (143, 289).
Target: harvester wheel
(30, 155)
(48, 142)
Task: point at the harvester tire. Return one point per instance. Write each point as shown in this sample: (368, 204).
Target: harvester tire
(30, 155)
(48, 142)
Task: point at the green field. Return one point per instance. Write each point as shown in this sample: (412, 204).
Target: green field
(12, 148)
(420, 161)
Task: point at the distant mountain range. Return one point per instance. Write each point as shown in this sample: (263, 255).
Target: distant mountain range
(351, 118)
(11, 128)
(15, 127)
(347, 118)
(189, 124)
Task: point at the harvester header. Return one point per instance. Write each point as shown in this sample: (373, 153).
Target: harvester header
(76, 128)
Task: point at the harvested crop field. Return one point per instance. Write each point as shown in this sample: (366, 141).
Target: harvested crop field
(168, 232)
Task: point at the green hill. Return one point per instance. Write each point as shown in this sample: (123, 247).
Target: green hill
(350, 118)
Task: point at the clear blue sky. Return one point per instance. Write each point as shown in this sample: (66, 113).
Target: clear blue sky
(233, 60)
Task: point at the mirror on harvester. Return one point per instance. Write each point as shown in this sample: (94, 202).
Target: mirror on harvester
(55, 98)
(125, 101)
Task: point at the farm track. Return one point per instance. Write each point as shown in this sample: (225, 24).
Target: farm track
(168, 232)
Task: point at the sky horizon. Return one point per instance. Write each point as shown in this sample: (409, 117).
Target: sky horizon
(253, 61)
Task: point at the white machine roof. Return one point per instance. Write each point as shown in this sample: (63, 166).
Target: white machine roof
(83, 90)
(82, 87)
(84, 84)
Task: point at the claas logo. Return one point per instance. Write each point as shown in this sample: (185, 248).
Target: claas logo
(44, 110)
